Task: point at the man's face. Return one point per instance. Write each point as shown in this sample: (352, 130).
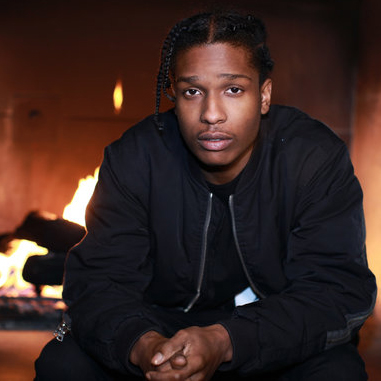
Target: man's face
(219, 104)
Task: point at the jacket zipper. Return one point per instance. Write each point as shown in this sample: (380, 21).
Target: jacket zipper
(203, 253)
(251, 283)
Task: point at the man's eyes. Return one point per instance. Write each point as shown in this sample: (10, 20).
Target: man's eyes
(191, 92)
(233, 90)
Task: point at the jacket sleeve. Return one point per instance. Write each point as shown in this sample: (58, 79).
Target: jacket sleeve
(329, 291)
(107, 273)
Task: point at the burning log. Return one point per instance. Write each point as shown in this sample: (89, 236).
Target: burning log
(57, 235)
(44, 269)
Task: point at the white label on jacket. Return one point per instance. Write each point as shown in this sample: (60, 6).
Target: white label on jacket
(245, 297)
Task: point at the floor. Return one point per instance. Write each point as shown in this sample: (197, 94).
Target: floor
(19, 349)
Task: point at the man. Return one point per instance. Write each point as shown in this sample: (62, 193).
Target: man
(197, 204)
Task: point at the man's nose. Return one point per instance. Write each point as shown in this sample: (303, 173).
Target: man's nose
(213, 110)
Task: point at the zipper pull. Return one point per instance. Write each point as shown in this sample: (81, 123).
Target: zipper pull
(61, 331)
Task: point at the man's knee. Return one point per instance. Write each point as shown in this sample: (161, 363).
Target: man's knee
(64, 360)
(342, 363)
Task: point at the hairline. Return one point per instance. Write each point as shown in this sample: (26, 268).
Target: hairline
(235, 44)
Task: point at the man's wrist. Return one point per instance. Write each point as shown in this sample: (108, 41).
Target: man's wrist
(223, 341)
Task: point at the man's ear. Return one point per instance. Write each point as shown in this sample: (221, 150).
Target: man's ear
(173, 90)
(266, 89)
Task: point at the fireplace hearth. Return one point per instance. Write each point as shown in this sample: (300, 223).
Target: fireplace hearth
(30, 313)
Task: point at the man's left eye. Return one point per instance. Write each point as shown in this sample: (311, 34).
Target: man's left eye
(234, 90)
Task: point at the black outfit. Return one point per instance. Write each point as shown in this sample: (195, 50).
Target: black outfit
(297, 235)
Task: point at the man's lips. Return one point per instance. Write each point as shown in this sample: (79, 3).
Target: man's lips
(214, 141)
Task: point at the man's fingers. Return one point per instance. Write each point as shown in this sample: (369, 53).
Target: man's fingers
(178, 361)
(158, 359)
(164, 367)
(181, 370)
(166, 351)
(171, 375)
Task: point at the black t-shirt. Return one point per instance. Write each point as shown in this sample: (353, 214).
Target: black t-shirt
(224, 277)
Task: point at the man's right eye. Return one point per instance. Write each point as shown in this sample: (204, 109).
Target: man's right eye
(191, 92)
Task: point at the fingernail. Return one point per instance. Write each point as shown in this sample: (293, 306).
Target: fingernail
(157, 358)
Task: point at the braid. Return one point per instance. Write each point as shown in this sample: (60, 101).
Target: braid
(250, 32)
(159, 84)
(163, 80)
(266, 62)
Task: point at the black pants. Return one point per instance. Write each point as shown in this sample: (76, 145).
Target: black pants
(65, 361)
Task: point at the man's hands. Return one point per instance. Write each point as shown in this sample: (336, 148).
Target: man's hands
(193, 354)
(145, 348)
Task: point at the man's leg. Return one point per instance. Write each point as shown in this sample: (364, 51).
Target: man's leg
(65, 361)
(342, 363)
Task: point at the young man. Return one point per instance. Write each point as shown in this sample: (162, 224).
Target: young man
(197, 204)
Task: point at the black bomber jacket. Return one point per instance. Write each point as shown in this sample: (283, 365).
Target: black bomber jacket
(298, 225)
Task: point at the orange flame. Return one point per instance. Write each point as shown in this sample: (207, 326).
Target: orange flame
(118, 96)
(76, 210)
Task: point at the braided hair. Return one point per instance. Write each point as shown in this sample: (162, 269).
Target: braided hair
(208, 28)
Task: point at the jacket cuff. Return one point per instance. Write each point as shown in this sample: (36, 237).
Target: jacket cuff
(128, 334)
(244, 341)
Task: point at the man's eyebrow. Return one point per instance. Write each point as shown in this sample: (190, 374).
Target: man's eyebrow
(234, 76)
(195, 78)
(190, 79)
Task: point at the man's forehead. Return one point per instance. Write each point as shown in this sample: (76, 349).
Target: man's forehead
(196, 78)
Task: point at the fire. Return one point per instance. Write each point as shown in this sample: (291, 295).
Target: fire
(11, 280)
(118, 96)
(12, 283)
(76, 210)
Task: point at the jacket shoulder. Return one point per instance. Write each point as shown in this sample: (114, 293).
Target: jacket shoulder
(305, 145)
(289, 124)
(145, 132)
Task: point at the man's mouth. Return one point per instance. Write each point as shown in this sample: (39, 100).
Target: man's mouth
(214, 141)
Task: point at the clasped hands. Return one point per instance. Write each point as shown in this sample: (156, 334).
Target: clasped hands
(192, 354)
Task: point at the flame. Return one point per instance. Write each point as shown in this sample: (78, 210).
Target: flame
(12, 283)
(11, 280)
(118, 96)
(76, 210)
